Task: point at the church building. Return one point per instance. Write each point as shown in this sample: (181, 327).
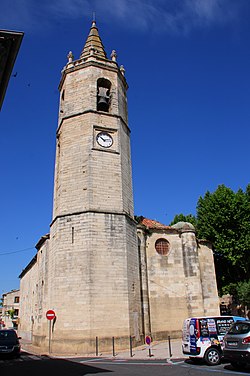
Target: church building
(105, 275)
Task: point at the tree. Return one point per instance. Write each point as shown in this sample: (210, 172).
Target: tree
(240, 292)
(223, 217)
(243, 292)
(184, 218)
(11, 313)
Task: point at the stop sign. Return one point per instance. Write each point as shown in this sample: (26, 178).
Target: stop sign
(50, 314)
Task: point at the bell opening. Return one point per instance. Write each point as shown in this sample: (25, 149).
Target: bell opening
(103, 94)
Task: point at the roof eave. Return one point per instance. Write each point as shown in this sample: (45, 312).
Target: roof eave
(10, 42)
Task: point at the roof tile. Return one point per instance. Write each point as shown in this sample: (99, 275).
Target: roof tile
(152, 224)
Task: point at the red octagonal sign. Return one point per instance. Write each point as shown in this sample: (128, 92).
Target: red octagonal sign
(50, 314)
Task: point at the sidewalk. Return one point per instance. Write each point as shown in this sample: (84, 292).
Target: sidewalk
(158, 350)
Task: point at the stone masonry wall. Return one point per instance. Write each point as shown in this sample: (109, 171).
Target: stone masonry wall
(34, 297)
(208, 279)
(166, 284)
(88, 177)
(95, 273)
(180, 285)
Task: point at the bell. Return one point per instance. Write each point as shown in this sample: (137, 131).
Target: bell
(102, 99)
(102, 103)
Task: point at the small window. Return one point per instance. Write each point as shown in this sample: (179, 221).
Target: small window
(16, 299)
(162, 247)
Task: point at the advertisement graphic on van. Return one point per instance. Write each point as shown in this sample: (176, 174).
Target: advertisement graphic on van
(202, 336)
(193, 332)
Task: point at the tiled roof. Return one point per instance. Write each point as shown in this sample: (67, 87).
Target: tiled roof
(150, 223)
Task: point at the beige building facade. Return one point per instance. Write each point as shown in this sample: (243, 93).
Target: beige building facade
(104, 275)
(9, 318)
(177, 277)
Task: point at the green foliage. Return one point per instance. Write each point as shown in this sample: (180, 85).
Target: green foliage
(230, 289)
(240, 291)
(184, 218)
(11, 312)
(223, 217)
(243, 291)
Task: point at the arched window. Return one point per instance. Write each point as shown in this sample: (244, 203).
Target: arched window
(162, 247)
(103, 94)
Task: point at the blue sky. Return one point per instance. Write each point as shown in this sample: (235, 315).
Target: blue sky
(188, 68)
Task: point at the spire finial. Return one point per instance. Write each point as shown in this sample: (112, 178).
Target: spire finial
(93, 45)
(93, 19)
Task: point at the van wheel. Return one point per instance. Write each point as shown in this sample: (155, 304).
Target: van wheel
(212, 356)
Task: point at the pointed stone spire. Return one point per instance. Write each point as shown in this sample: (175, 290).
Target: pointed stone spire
(93, 45)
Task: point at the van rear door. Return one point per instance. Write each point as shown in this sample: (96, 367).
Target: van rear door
(194, 333)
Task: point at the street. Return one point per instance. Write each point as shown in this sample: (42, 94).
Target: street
(29, 364)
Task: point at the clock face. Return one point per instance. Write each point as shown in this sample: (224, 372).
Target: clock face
(104, 139)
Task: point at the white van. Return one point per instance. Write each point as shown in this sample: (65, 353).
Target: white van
(202, 337)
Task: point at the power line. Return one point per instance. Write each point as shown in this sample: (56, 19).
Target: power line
(11, 253)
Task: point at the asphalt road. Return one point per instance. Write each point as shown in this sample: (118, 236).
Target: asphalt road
(28, 365)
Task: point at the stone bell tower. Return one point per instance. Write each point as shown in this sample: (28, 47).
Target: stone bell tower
(93, 260)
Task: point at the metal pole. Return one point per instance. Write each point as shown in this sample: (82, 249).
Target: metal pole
(113, 345)
(169, 346)
(49, 336)
(131, 346)
(96, 346)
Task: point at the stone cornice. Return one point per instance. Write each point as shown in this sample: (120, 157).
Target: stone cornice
(93, 112)
(93, 212)
(79, 64)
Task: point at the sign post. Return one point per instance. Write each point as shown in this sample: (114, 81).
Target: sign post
(50, 315)
(148, 342)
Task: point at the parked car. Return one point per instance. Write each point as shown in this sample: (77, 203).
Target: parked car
(202, 337)
(236, 344)
(9, 342)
